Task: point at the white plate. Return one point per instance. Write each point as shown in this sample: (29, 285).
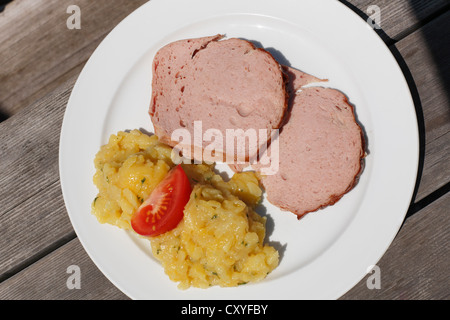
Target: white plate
(326, 253)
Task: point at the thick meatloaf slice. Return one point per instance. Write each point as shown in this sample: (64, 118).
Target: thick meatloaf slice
(226, 84)
(321, 148)
(296, 80)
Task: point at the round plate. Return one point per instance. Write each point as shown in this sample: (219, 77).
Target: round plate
(327, 252)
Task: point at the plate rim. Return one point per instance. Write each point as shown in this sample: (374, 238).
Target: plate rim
(110, 37)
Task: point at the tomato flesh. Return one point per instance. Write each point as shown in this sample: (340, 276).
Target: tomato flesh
(163, 209)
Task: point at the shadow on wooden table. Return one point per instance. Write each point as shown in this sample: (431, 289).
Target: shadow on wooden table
(3, 3)
(412, 87)
(3, 115)
(437, 40)
(438, 46)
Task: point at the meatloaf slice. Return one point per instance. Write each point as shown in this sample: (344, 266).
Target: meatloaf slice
(226, 84)
(296, 80)
(320, 152)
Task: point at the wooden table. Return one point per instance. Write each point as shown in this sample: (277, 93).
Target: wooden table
(40, 59)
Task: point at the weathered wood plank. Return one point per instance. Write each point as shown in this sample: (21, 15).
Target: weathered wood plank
(47, 278)
(427, 55)
(32, 229)
(416, 264)
(37, 50)
(40, 52)
(414, 267)
(398, 18)
(29, 148)
(32, 212)
(29, 170)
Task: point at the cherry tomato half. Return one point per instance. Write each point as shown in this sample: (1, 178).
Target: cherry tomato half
(163, 209)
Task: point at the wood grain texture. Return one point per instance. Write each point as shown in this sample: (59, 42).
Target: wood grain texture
(47, 279)
(37, 50)
(398, 18)
(416, 264)
(43, 63)
(32, 212)
(427, 55)
(40, 52)
(414, 267)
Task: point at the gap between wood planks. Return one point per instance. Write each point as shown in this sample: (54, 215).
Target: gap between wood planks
(403, 34)
(414, 207)
(419, 205)
(436, 194)
(52, 187)
(423, 22)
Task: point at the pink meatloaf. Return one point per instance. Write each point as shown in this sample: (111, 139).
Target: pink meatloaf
(296, 80)
(226, 84)
(321, 148)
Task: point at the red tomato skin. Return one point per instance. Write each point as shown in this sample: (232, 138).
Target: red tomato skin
(163, 209)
